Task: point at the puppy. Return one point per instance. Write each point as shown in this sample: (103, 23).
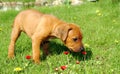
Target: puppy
(40, 28)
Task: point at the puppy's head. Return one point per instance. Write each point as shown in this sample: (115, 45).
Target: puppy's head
(71, 36)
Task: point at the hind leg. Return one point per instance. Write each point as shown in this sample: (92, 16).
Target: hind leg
(45, 46)
(14, 36)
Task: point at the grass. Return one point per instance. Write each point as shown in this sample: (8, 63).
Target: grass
(17, 0)
(100, 26)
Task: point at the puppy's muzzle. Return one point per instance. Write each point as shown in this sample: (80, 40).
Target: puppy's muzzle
(78, 50)
(82, 49)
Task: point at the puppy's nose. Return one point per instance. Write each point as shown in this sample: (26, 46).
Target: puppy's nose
(82, 48)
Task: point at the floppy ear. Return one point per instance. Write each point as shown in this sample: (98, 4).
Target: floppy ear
(62, 31)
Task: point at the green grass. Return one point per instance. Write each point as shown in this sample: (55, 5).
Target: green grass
(17, 0)
(100, 30)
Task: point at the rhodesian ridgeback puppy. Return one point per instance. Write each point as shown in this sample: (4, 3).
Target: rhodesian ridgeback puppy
(40, 27)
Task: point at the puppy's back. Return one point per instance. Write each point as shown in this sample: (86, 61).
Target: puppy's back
(27, 20)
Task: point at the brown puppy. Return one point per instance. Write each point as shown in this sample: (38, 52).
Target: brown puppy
(40, 27)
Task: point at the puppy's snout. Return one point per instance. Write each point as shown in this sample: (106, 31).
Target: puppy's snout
(82, 48)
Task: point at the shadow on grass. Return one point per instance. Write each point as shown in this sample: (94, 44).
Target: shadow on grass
(58, 48)
(82, 57)
(55, 48)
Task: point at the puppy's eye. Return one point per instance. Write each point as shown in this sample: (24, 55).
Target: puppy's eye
(75, 39)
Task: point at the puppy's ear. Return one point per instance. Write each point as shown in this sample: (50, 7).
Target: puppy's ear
(62, 31)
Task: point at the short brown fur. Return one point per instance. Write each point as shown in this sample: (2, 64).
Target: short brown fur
(40, 27)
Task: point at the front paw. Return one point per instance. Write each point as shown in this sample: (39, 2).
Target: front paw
(10, 56)
(37, 61)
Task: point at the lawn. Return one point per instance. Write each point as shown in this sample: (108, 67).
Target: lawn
(100, 25)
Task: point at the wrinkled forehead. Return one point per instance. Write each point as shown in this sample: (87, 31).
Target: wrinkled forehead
(75, 32)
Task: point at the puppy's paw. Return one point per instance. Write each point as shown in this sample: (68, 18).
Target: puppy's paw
(10, 56)
(36, 61)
